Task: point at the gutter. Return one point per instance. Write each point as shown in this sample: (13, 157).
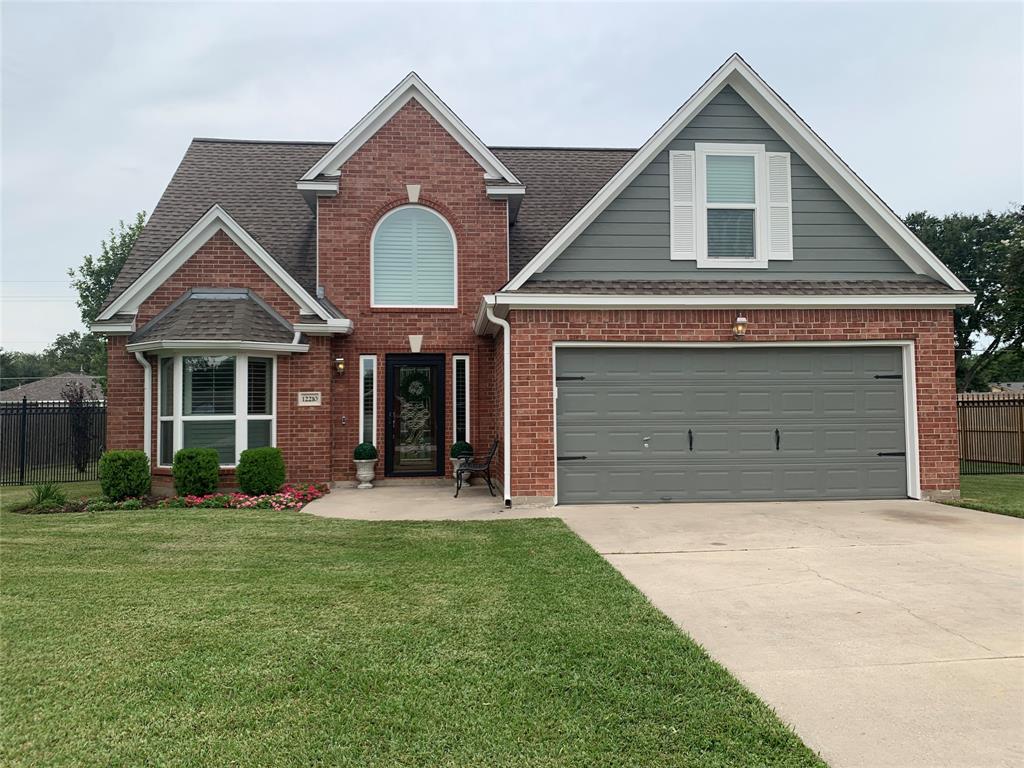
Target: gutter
(147, 398)
(506, 382)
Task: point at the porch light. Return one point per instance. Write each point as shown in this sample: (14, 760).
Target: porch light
(739, 327)
(339, 365)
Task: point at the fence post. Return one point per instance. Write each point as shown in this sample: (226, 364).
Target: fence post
(21, 440)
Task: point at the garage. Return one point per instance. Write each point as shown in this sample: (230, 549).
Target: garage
(761, 422)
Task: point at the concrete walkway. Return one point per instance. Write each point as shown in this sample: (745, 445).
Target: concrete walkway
(885, 633)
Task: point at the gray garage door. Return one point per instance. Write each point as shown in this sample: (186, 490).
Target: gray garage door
(678, 424)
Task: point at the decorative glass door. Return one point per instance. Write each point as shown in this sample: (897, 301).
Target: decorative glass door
(415, 415)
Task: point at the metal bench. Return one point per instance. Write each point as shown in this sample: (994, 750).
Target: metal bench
(472, 465)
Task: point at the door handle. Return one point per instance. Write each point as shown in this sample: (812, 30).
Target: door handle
(777, 439)
(689, 438)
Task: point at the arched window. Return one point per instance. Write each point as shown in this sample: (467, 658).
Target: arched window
(412, 259)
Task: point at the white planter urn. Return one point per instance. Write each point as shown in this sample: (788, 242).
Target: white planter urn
(364, 472)
(455, 465)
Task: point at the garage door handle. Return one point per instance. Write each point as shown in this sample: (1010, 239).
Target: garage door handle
(778, 439)
(892, 453)
(572, 458)
(689, 437)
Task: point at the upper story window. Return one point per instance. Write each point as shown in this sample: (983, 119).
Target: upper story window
(730, 205)
(413, 259)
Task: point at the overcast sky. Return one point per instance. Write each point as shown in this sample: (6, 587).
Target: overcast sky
(99, 101)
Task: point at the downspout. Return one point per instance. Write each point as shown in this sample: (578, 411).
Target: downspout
(147, 413)
(506, 376)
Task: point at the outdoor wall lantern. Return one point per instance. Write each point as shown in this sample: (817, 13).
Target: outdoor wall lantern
(339, 365)
(739, 327)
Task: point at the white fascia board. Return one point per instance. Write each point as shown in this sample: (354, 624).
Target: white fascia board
(807, 144)
(508, 191)
(338, 325)
(209, 224)
(411, 87)
(515, 300)
(320, 187)
(112, 327)
(216, 344)
(480, 322)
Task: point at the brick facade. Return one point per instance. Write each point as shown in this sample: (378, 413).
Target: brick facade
(534, 332)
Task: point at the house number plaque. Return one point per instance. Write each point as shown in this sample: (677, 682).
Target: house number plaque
(309, 398)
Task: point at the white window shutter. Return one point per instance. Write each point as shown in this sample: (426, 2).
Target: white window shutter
(682, 205)
(780, 207)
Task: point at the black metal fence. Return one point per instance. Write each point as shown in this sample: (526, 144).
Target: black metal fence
(991, 426)
(50, 442)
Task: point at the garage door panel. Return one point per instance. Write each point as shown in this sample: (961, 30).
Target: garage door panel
(833, 415)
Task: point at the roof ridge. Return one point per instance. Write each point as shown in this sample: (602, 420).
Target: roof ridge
(216, 140)
(566, 149)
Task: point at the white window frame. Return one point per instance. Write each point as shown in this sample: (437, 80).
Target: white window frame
(362, 398)
(760, 205)
(161, 419)
(455, 265)
(241, 415)
(456, 359)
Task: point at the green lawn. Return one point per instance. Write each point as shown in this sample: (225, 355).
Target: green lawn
(1003, 494)
(258, 638)
(15, 496)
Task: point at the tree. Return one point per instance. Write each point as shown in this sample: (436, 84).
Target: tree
(987, 253)
(95, 277)
(76, 352)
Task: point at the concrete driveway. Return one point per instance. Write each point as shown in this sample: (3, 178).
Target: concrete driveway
(885, 633)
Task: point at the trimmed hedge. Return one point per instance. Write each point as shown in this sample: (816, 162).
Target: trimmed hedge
(125, 474)
(460, 448)
(365, 451)
(196, 471)
(260, 471)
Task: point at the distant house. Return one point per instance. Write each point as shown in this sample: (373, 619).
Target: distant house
(1007, 386)
(51, 388)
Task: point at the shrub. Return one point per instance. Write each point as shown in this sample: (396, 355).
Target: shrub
(196, 471)
(461, 448)
(261, 471)
(47, 495)
(124, 474)
(365, 451)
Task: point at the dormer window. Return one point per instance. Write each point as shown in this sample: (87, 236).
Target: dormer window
(730, 206)
(413, 259)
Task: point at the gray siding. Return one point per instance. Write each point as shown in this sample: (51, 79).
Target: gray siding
(630, 238)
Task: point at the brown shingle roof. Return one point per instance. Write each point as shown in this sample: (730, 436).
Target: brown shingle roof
(216, 313)
(52, 388)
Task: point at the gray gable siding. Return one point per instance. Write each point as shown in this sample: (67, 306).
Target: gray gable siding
(630, 238)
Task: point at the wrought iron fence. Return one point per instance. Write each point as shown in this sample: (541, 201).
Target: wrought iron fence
(50, 442)
(991, 426)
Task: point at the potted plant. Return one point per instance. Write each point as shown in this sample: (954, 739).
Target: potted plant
(365, 457)
(460, 450)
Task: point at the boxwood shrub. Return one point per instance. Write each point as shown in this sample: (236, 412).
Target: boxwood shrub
(196, 471)
(125, 474)
(364, 452)
(260, 471)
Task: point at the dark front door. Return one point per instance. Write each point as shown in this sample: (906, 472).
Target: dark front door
(414, 441)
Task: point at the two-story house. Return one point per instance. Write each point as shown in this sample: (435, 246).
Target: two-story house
(727, 312)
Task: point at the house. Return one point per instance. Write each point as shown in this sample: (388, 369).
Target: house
(51, 388)
(727, 312)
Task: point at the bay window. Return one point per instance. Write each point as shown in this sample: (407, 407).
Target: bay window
(224, 402)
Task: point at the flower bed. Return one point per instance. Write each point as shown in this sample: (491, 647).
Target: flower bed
(289, 497)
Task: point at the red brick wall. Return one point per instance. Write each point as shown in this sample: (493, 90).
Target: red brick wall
(534, 332)
(410, 149)
(125, 397)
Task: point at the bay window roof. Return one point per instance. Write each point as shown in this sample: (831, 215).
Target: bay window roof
(208, 314)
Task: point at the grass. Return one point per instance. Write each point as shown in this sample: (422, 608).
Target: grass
(260, 638)
(14, 497)
(1002, 494)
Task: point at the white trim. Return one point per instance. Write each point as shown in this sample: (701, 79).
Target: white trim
(411, 87)
(362, 395)
(503, 192)
(147, 404)
(802, 140)
(112, 326)
(335, 325)
(907, 347)
(455, 260)
(506, 401)
(214, 220)
(822, 301)
(456, 359)
(320, 187)
(759, 206)
(214, 345)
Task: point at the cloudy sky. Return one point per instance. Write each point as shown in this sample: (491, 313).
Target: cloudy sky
(99, 101)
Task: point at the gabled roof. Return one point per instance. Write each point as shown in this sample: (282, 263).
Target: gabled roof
(805, 142)
(411, 87)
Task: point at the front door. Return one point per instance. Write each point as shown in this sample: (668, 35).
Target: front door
(414, 433)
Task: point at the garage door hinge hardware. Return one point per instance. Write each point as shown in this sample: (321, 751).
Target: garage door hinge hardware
(888, 375)
(572, 458)
(570, 378)
(892, 453)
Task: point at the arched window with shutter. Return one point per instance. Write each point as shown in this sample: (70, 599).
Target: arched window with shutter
(413, 259)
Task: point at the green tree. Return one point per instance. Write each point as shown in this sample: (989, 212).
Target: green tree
(77, 352)
(987, 253)
(94, 278)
